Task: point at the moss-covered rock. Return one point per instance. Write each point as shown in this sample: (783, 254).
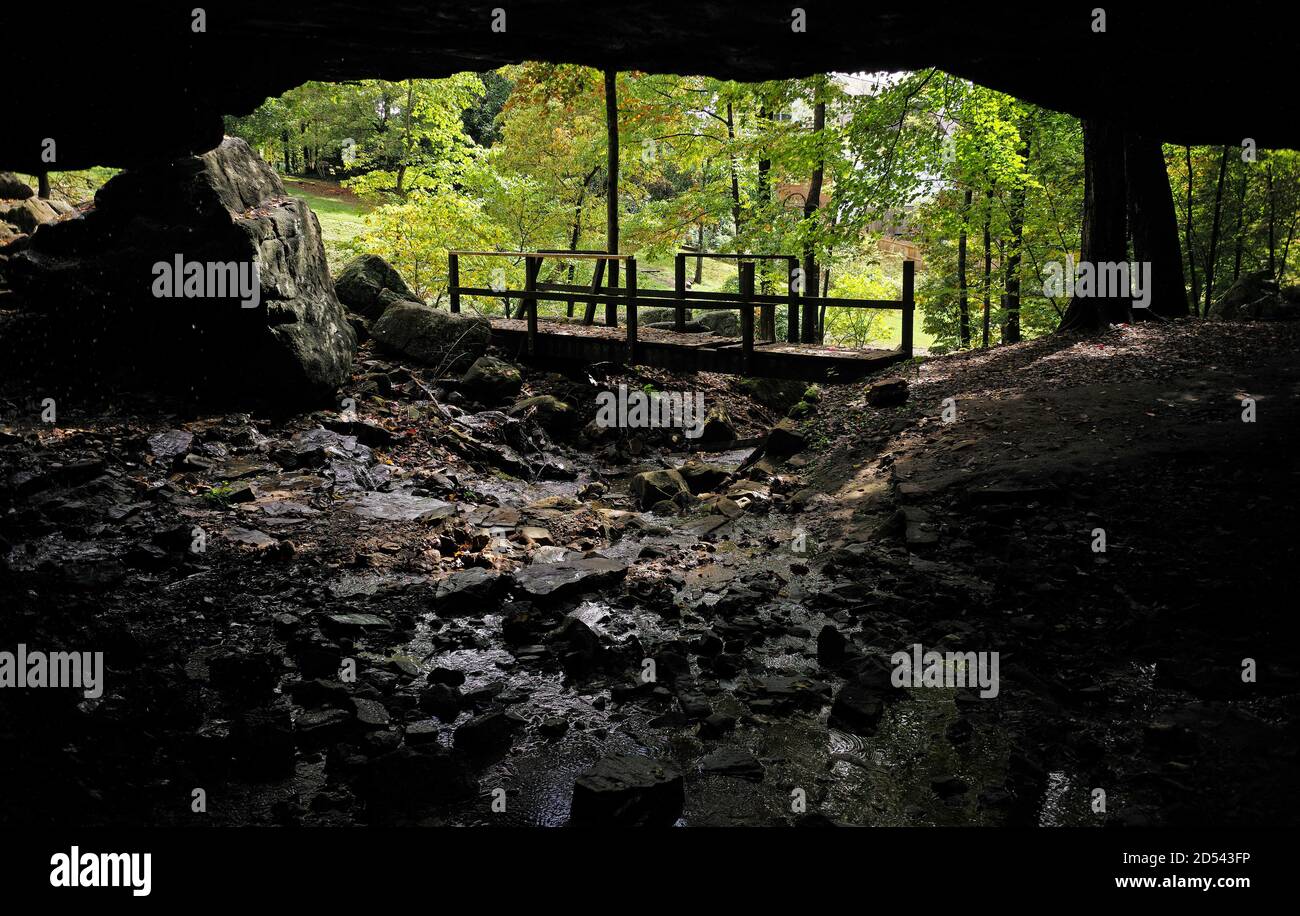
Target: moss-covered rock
(491, 381)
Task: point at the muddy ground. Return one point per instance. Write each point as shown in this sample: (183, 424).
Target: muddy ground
(238, 569)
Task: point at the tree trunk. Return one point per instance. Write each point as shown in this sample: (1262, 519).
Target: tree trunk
(735, 176)
(1011, 329)
(1153, 223)
(988, 265)
(699, 261)
(1240, 241)
(1212, 258)
(807, 331)
(1191, 249)
(406, 136)
(1272, 224)
(1286, 249)
(963, 296)
(43, 186)
(577, 232)
(767, 313)
(611, 170)
(1104, 221)
(821, 312)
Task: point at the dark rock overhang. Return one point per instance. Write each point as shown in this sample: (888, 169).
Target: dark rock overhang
(139, 84)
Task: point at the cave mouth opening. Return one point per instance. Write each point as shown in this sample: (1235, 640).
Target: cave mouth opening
(351, 560)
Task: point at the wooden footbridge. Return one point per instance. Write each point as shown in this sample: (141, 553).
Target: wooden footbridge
(581, 339)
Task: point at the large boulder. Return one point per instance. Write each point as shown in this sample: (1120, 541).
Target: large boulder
(651, 487)
(432, 337)
(491, 381)
(718, 428)
(364, 280)
(721, 322)
(776, 394)
(890, 392)
(552, 414)
(647, 317)
(26, 215)
(14, 188)
(1255, 296)
(201, 271)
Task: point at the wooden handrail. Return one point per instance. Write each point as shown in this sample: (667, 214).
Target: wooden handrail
(737, 256)
(579, 255)
(560, 292)
(630, 296)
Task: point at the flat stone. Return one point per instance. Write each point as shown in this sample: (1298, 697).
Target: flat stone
(539, 536)
(249, 537)
(489, 731)
(170, 444)
(733, 761)
(704, 525)
(402, 507)
(467, 590)
(370, 713)
(356, 622)
(500, 517)
(553, 555)
(787, 691)
(555, 580)
(627, 790)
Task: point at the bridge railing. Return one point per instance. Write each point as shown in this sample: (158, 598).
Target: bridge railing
(682, 299)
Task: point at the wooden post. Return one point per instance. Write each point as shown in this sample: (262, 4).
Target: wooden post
(747, 314)
(532, 267)
(597, 274)
(679, 286)
(808, 326)
(792, 310)
(453, 280)
(568, 312)
(611, 304)
(631, 311)
(909, 305)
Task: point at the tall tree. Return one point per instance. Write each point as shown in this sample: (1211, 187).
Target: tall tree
(1104, 221)
(1212, 258)
(807, 330)
(1011, 326)
(611, 170)
(1153, 224)
(988, 265)
(964, 292)
(1191, 244)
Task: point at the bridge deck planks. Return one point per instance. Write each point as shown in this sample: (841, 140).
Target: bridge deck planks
(698, 352)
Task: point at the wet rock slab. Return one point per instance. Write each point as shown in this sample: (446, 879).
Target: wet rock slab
(628, 791)
(733, 761)
(467, 590)
(551, 581)
(402, 507)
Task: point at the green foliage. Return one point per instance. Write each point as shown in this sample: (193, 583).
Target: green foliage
(515, 159)
(415, 235)
(220, 495)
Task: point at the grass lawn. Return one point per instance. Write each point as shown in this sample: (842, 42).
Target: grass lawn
(657, 273)
(340, 213)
